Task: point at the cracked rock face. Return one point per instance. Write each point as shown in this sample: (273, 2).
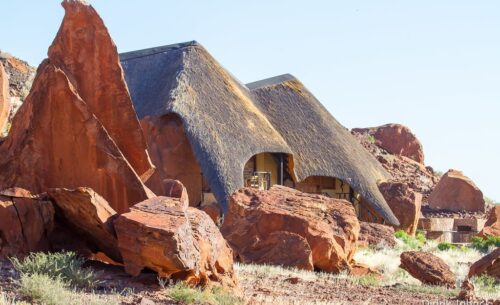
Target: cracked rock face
(26, 222)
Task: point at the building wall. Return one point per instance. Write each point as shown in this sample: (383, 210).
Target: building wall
(265, 162)
(171, 153)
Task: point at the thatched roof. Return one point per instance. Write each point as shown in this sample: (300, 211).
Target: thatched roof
(223, 125)
(321, 145)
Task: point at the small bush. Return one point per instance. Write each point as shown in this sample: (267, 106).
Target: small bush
(484, 244)
(446, 247)
(66, 266)
(46, 290)
(216, 295)
(413, 242)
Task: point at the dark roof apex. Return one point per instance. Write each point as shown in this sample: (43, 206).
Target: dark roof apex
(152, 51)
(272, 81)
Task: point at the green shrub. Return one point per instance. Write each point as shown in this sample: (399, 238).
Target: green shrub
(66, 266)
(216, 295)
(47, 290)
(446, 247)
(413, 242)
(486, 283)
(484, 244)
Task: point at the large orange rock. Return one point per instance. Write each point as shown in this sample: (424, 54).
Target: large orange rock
(489, 265)
(492, 225)
(177, 241)
(4, 98)
(427, 268)
(55, 141)
(25, 224)
(397, 140)
(90, 214)
(329, 226)
(457, 192)
(84, 50)
(404, 203)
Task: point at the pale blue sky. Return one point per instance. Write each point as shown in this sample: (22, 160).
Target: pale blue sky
(431, 65)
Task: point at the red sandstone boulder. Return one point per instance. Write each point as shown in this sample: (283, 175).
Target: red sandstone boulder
(374, 234)
(84, 50)
(492, 225)
(427, 268)
(55, 141)
(489, 265)
(397, 140)
(329, 226)
(4, 98)
(89, 214)
(404, 203)
(176, 241)
(457, 192)
(25, 224)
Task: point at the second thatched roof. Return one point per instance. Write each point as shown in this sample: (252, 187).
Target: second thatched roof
(321, 145)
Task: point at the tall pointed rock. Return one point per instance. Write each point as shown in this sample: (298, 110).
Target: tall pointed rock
(4, 98)
(84, 50)
(56, 141)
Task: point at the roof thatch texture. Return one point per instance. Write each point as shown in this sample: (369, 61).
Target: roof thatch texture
(223, 125)
(321, 145)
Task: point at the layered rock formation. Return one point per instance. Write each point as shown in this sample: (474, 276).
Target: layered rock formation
(90, 215)
(177, 241)
(457, 192)
(374, 234)
(404, 203)
(4, 98)
(492, 225)
(68, 133)
(25, 223)
(489, 265)
(397, 140)
(427, 268)
(321, 229)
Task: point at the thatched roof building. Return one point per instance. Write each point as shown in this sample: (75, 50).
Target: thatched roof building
(227, 122)
(223, 125)
(321, 146)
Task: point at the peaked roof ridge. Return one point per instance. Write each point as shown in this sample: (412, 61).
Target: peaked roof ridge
(156, 50)
(271, 81)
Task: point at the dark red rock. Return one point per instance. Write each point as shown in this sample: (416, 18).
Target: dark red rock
(488, 264)
(373, 234)
(427, 268)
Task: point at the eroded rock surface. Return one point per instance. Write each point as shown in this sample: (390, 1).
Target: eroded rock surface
(404, 203)
(176, 241)
(489, 265)
(89, 214)
(374, 234)
(329, 226)
(25, 224)
(492, 225)
(4, 98)
(427, 268)
(397, 140)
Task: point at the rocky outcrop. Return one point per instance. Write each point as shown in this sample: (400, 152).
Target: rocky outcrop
(25, 223)
(257, 218)
(457, 192)
(397, 140)
(84, 50)
(175, 189)
(427, 268)
(374, 234)
(90, 215)
(404, 203)
(213, 210)
(57, 140)
(417, 176)
(489, 265)
(4, 98)
(492, 225)
(177, 241)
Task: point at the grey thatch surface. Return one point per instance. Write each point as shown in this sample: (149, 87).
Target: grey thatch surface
(223, 125)
(321, 145)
